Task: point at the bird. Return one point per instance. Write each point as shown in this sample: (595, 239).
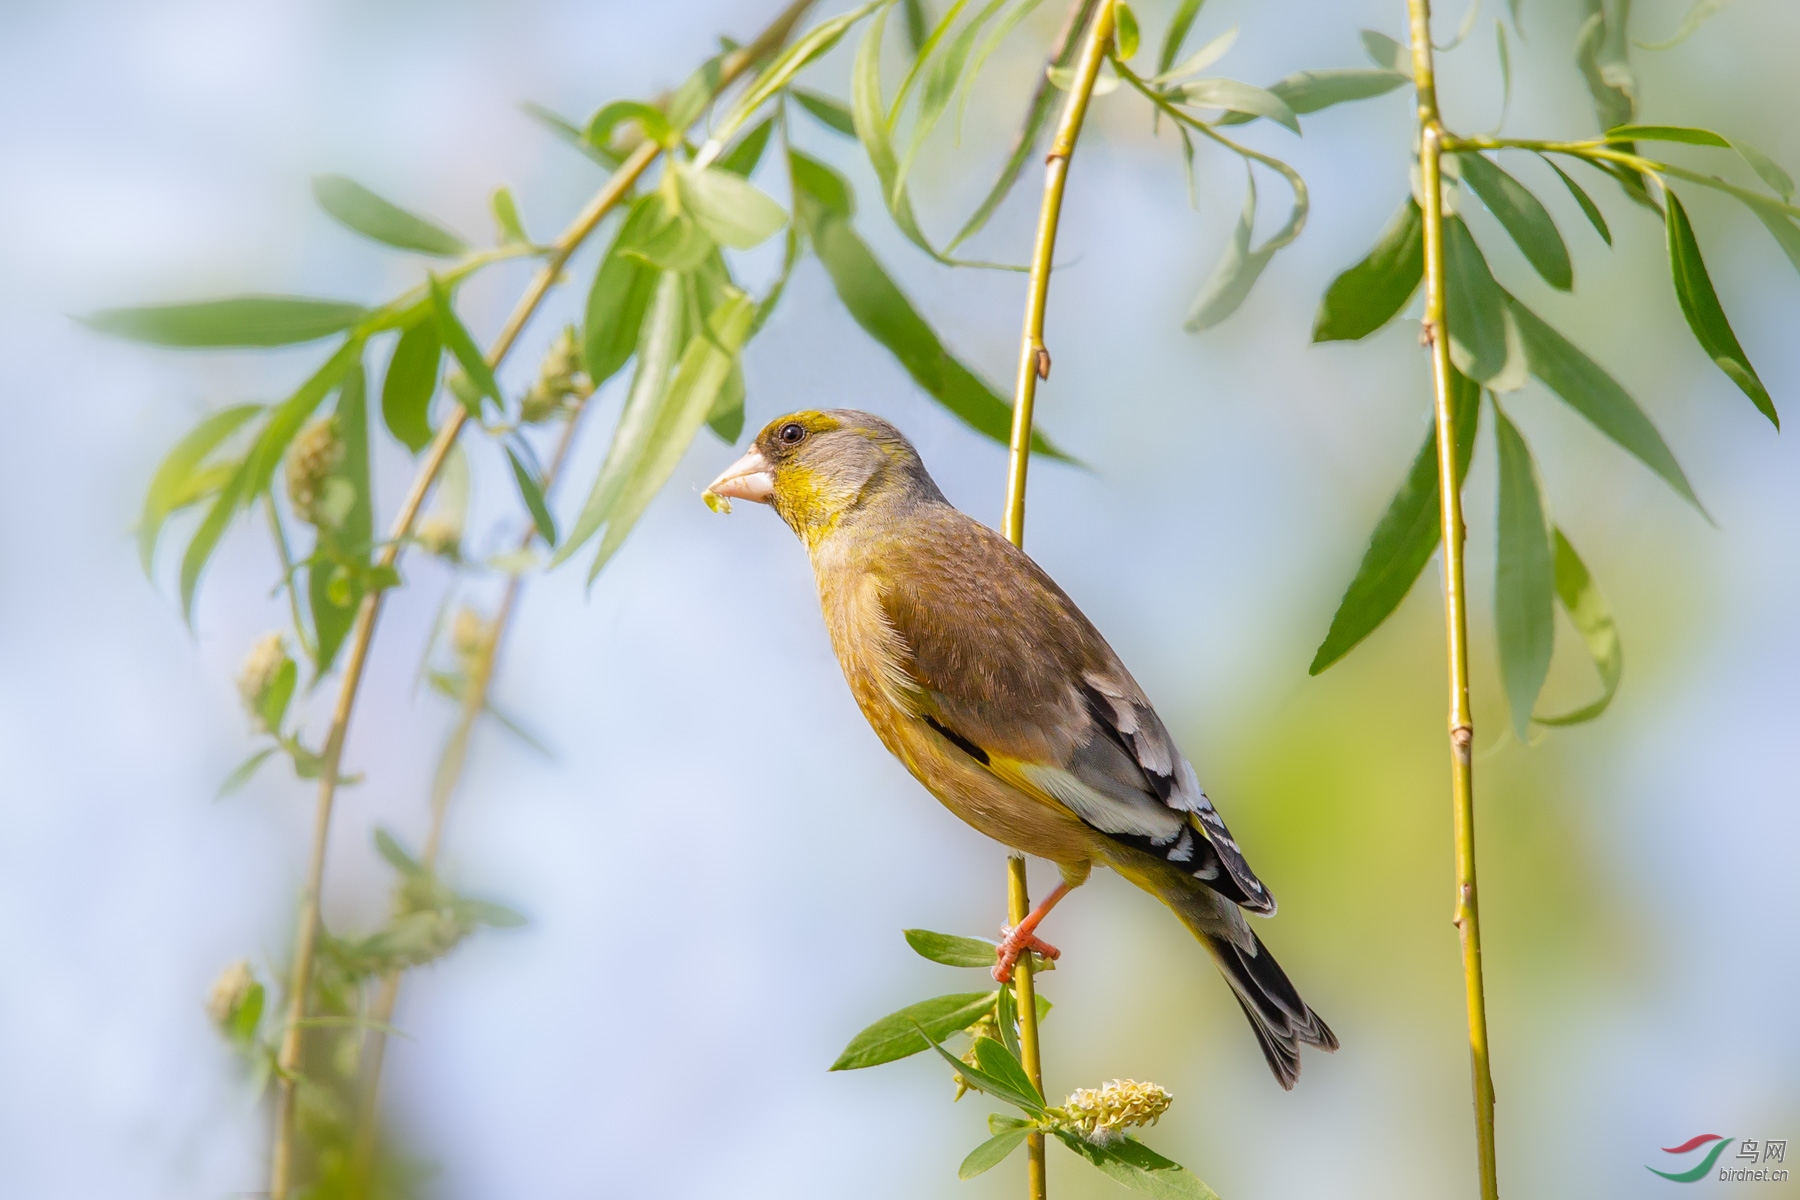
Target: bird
(993, 689)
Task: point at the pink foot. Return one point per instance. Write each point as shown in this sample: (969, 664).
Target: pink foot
(1014, 941)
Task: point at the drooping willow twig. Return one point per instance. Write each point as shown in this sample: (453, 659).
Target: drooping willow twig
(1435, 334)
(281, 1158)
(1034, 364)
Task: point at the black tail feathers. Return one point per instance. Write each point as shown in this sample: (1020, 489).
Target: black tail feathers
(1282, 1021)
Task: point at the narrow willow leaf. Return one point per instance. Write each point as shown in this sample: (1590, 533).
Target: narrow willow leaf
(916, 24)
(726, 417)
(1019, 10)
(897, 1035)
(1770, 171)
(1125, 31)
(1179, 25)
(390, 849)
(287, 417)
(1685, 134)
(1504, 53)
(1593, 619)
(362, 211)
(356, 535)
(827, 110)
(1590, 391)
(506, 217)
(335, 577)
(732, 211)
(457, 338)
(1705, 316)
(1001, 1088)
(1200, 59)
(1000, 1063)
(1600, 53)
(621, 291)
(1588, 208)
(1523, 216)
(1524, 578)
(531, 490)
(992, 1152)
(1037, 117)
(570, 132)
(1370, 294)
(237, 321)
(818, 184)
(877, 304)
(872, 129)
(743, 157)
(1697, 15)
(1406, 536)
(206, 538)
(273, 706)
(1310, 91)
(1386, 53)
(1245, 98)
(410, 383)
(170, 488)
(703, 369)
(940, 84)
(652, 121)
(244, 772)
(804, 50)
(1476, 307)
(951, 950)
(670, 239)
(1784, 231)
(1130, 1162)
(1236, 272)
(659, 341)
(1006, 1020)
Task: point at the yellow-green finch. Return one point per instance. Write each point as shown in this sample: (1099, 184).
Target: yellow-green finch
(994, 690)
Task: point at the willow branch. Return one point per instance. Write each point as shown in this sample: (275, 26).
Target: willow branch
(1034, 364)
(306, 941)
(1466, 915)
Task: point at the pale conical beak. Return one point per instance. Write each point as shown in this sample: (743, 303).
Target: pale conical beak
(749, 478)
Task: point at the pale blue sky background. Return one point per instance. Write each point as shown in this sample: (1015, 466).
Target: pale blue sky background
(719, 860)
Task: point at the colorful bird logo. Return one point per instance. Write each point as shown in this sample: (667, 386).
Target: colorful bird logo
(1705, 1165)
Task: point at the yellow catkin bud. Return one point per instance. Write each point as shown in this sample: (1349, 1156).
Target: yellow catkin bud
(259, 670)
(987, 1027)
(316, 455)
(1102, 1114)
(229, 991)
(470, 635)
(440, 535)
(558, 379)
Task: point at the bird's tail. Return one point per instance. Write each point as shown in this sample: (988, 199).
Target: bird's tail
(1281, 1019)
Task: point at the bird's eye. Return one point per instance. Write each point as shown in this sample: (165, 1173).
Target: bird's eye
(791, 434)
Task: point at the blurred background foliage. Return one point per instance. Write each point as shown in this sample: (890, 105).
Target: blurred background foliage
(718, 859)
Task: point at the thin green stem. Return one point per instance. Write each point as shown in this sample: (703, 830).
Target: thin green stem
(281, 1159)
(279, 533)
(1034, 364)
(1466, 913)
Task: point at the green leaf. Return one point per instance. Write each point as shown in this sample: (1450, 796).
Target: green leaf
(1590, 391)
(1770, 171)
(1371, 293)
(1700, 305)
(1476, 307)
(827, 110)
(1125, 31)
(411, 382)
(358, 209)
(917, 22)
(669, 239)
(1000, 1087)
(999, 1062)
(1685, 134)
(456, 336)
(1406, 536)
(1237, 270)
(1784, 231)
(244, 772)
(992, 1152)
(1697, 15)
(814, 181)
(1130, 1162)
(872, 130)
(951, 950)
(659, 342)
(335, 579)
(571, 133)
(1006, 1019)
(170, 488)
(206, 537)
(897, 1035)
(288, 416)
(1245, 98)
(1601, 54)
(884, 312)
(743, 157)
(487, 912)
(532, 491)
(1386, 53)
(1199, 60)
(1593, 619)
(1588, 208)
(1524, 578)
(605, 123)
(388, 846)
(1179, 25)
(941, 82)
(237, 321)
(726, 417)
(1310, 91)
(732, 211)
(621, 292)
(1523, 216)
(272, 705)
(790, 62)
(506, 217)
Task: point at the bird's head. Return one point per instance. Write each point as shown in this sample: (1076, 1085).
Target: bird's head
(815, 468)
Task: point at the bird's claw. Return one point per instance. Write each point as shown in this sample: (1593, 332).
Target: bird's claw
(1013, 943)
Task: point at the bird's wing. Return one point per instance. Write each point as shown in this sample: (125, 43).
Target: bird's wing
(1006, 668)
